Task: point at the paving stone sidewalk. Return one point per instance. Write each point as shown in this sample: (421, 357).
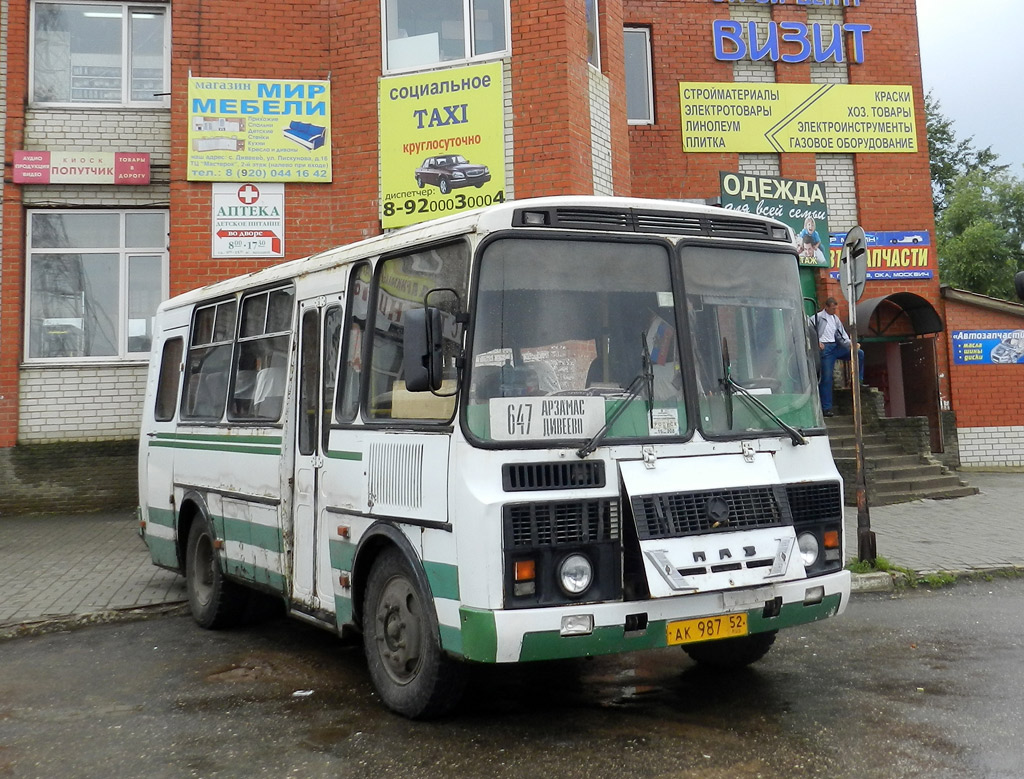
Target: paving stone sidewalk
(56, 569)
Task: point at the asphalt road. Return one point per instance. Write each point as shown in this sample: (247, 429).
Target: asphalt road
(920, 684)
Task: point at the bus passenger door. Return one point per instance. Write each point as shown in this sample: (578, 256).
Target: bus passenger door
(319, 329)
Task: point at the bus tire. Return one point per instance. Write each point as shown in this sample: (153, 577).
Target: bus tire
(411, 673)
(731, 653)
(214, 601)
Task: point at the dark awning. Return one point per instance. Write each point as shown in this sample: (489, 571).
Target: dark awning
(901, 313)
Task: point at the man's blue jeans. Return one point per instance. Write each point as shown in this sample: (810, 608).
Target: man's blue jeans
(829, 355)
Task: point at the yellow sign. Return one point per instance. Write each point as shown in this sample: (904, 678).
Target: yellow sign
(243, 129)
(442, 143)
(823, 118)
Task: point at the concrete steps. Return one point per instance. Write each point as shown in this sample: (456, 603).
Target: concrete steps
(891, 474)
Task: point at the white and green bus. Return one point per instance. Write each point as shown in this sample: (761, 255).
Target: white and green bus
(550, 428)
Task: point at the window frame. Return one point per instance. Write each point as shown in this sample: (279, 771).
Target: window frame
(594, 59)
(469, 35)
(125, 255)
(127, 9)
(649, 62)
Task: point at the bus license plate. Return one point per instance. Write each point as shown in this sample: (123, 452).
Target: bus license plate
(689, 631)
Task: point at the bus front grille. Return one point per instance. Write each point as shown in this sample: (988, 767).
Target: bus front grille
(677, 514)
(815, 502)
(561, 522)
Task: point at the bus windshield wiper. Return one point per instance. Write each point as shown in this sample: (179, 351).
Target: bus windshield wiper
(795, 435)
(642, 382)
(730, 386)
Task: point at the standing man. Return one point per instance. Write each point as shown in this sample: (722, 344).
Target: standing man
(834, 343)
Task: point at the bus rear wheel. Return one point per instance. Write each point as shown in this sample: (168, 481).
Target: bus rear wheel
(411, 673)
(731, 653)
(214, 601)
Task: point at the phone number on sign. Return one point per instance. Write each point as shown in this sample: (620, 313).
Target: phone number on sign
(456, 203)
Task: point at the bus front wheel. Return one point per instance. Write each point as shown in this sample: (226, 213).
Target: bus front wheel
(731, 653)
(400, 638)
(214, 601)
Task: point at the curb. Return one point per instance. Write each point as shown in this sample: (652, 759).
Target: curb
(882, 581)
(11, 630)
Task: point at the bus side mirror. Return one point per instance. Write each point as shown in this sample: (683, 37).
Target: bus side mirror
(1018, 282)
(422, 361)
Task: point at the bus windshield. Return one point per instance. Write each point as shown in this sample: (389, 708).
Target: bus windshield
(577, 323)
(747, 328)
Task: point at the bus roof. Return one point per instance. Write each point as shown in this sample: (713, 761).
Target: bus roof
(482, 220)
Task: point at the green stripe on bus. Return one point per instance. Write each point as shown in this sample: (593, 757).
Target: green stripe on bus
(342, 611)
(246, 532)
(212, 447)
(345, 455)
(163, 551)
(343, 553)
(162, 517)
(242, 439)
(451, 639)
(479, 635)
(443, 579)
(549, 645)
(255, 573)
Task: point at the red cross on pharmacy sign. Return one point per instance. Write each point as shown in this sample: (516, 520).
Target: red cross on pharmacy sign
(248, 194)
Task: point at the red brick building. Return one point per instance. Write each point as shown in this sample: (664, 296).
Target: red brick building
(589, 102)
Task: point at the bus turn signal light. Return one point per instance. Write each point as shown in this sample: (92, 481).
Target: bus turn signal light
(831, 539)
(526, 570)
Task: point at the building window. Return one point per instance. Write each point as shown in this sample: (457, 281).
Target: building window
(114, 54)
(421, 34)
(95, 279)
(639, 82)
(593, 37)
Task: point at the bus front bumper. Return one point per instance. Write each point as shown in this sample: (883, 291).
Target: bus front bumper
(585, 629)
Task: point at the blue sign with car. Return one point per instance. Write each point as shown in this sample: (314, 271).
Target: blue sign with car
(988, 347)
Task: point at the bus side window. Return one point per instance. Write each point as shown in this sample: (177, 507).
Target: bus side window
(170, 379)
(209, 359)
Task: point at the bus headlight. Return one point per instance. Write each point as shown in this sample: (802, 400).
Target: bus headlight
(809, 548)
(575, 574)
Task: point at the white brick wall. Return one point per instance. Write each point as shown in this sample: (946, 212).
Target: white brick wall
(836, 171)
(991, 446)
(108, 130)
(830, 72)
(601, 133)
(88, 403)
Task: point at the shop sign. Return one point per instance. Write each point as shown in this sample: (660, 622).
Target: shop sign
(799, 204)
(725, 117)
(892, 255)
(248, 220)
(80, 167)
(259, 130)
(442, 143)
(988, 347)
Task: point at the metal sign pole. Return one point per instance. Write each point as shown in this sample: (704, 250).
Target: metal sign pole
(852, 273)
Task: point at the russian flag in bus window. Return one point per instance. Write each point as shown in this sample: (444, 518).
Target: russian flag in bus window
(660, 336)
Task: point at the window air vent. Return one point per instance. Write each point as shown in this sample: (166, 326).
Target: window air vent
(519, 477)
(649, 221)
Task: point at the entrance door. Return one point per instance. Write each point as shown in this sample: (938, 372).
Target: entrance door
(921, 385)
(319, 328)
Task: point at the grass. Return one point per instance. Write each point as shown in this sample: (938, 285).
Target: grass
(904, 575)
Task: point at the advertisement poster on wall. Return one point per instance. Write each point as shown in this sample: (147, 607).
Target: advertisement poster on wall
(259, 130)
(442, 143)
(988, 347)
(248, 220)
(799, 204)
(892, 255)
(773, 118)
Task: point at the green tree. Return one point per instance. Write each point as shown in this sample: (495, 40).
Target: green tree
(980, 233)
(950, 156)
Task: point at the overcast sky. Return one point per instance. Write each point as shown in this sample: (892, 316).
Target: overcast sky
(972, 55)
